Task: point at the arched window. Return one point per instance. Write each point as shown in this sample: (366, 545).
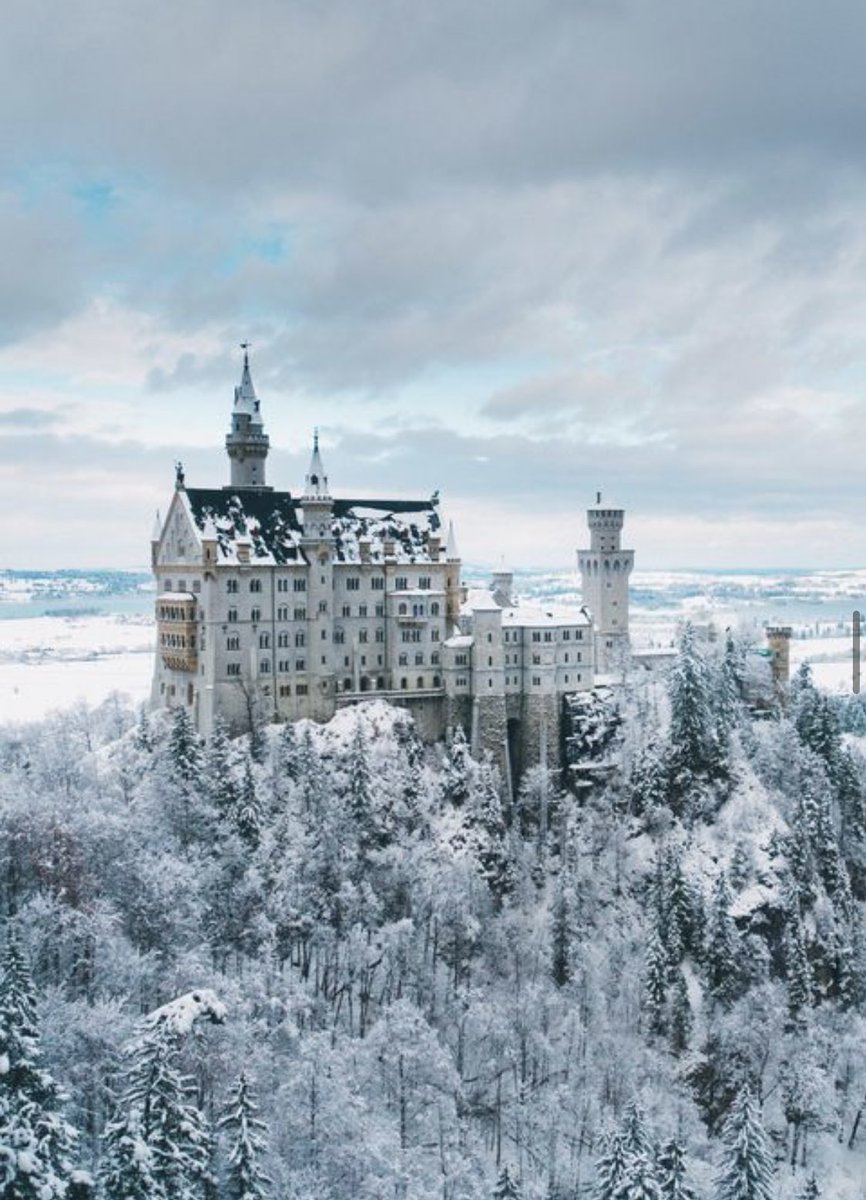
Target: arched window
(420, 683)
(402, 610)
(434, 609)
(404, 683)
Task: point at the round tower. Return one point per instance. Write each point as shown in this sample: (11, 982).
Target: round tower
(247, 444)
(604, 572)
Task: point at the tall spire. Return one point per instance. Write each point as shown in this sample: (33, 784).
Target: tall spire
(317, 480)
(247, 443)
(451, 552)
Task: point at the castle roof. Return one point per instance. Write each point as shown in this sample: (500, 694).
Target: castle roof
(271, 524)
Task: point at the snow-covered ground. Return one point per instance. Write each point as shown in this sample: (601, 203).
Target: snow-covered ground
(49, 663)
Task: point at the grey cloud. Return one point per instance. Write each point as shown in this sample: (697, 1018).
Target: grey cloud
(30, 418)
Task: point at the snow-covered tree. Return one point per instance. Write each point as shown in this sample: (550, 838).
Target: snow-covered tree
(37, 1144)
(610, 1166)
(507, 1185)
(244, 1135)
(673, 1173)
(722, 945)
(746, 1168)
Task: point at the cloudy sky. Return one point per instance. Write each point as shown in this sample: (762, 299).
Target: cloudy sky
(513, 249)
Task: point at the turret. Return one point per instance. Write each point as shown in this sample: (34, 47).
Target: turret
(247, 444)
(604, 571)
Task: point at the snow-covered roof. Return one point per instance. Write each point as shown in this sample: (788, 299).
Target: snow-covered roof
(479, 600)
(270, 524)
(173, 597)
(460, 641)
(246, 400)
(538, 615)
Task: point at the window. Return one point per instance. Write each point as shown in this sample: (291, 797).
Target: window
(255, 614)
(353, 584)
(264, 641)
(166, 587)
(434, 658)
(548, 636)
(300, 664)
(417, 610)
(536, 635)
(282, 585)
(420, 681)
(419, 659)
(434, 635)
(536, 660)
(285, 689)
(362, 636)
(301, 689)
(437, 682)
(232, 614)
(378, 583)
(300, 639)
(233, 668)
(404, 683)
(362, 610)
(380, 610)
(299, 585)
(578, 635)
(424, 583)
(339, 637)
(566, 635)
(461, 660)
(401, 583)
(282, 613)
(434, 609)
(282, 639)
(323, 606)
(196, 587)
(233, 642)
(402, 610)
(536, 681)
(411, 635)
(403, 660)
(300, 614)
(380, 635)
(565, 656)
(284, 666)
(347, 610)
(324, 635)
(265, 667)
(255, 585)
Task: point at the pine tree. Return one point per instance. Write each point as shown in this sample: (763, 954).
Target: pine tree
(811, 1191)
(746, 1169)
(729, 686)
(680, 1019)
(560, 937)
(639, 1181)
(507, 1185)
(247, 816)
(457, 769)
(655, 982)
(127, 1168)
(723, 945)
(288, 751)
(160, 1102)
(184, 748)
(610, 1166)
(245, 1136)
(797, 968)
(361, 792)
(635, 1136)
(221, 784)
(694, 750)
(36, 1143)
(672, 1172)
(486, 824)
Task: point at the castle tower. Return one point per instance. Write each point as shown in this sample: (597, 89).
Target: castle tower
(779, 641)
(247, 443)
(604, 572)
(317, 508)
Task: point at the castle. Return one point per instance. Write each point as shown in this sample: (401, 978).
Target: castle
(274, 607)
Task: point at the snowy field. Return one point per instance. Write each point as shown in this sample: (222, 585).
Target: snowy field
(72, 636)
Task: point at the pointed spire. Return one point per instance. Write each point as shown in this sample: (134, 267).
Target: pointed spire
(317, 480)
(156, 533)
(246, 400)
(451, 552)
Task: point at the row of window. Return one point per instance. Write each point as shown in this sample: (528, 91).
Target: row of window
(177, 612)
(539, 635)
(181, 586)
(176, 641)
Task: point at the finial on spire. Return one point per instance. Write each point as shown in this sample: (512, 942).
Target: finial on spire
(245, 346)
(179, 477)
(598, 497)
